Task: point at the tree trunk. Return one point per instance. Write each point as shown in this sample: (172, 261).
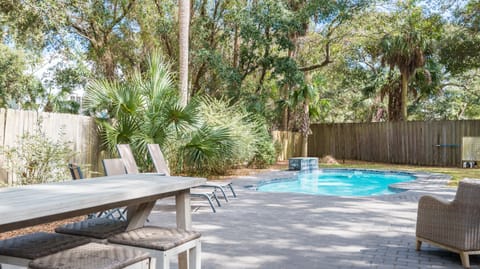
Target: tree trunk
(108, 64)
(305, 127)
(183, 37)
(404, 96)
(394, 104)
(285, 115)
(236, 47)
(292, 53)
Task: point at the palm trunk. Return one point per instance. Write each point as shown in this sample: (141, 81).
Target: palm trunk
(183, 36)
(404, 96)
(305, 127)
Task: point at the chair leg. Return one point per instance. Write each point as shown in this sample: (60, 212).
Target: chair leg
(210, 202)
(123, 214)
(419, 245)
(162, 261)
(216, 199)
(194, 256)
(152, 264)
(231, 189)
(107, 214)
(223, 193)
(206, 196)
(465, 259)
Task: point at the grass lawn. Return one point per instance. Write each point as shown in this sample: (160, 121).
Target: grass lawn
(456, 173)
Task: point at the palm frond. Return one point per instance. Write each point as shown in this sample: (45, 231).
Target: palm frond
(208, 148)
(183, 119)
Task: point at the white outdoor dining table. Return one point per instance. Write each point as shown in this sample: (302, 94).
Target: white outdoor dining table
(30, 205)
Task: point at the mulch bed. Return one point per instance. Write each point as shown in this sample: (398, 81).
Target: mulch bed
(49, 227)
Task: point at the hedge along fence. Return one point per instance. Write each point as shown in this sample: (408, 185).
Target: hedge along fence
(436, 143)
(79, 130)
(290, 144)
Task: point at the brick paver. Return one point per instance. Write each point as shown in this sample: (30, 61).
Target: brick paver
(285, 230)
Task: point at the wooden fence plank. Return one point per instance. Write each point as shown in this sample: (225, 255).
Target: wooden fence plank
(79, 133)
(420, 143)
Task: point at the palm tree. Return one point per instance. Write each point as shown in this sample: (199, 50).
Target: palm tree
(146, 109)
(406, 51)
(143, 109)
(306, 95)
(183, 36)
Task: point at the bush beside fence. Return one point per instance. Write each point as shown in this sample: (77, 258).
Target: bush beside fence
(79, 130)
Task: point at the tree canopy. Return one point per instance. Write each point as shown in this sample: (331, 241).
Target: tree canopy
(290, 62)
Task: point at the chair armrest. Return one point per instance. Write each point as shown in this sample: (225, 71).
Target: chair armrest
(432, 204)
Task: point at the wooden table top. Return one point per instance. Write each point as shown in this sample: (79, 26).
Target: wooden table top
(29, 205)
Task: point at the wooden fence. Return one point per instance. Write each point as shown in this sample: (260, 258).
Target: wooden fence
(290, 142)
(436, 143)
(79, 131)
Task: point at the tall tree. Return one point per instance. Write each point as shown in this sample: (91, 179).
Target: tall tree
(406, 52)
(331, 15)
(460, 48)
(183, 37)
(100, 29)
(18, 88)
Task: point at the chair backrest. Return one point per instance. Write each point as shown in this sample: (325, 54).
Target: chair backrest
(126, 154)
(158, 159)
(114, 167)
(75, 171)
(468, 193)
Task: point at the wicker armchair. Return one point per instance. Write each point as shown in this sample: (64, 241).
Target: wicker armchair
(455, 225)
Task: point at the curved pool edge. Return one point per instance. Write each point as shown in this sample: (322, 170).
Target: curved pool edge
(424, 181)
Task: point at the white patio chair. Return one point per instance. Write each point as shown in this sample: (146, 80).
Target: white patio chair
(162, 167)
(131, 167)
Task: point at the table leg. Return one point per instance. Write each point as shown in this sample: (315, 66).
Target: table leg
(184, 221)
(138, 214)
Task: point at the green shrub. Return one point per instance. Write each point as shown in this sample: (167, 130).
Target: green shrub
(219, 113)
(265, 149)
(265, 154)
(36, 158)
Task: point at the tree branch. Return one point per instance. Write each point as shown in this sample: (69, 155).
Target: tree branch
(315, 66)
(325, 62)
(453, 84)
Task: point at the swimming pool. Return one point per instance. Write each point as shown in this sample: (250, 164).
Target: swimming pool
(339, 182)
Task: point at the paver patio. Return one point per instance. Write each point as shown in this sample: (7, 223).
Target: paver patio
(285, 230)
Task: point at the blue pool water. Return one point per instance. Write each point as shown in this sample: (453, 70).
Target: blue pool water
(340, 182)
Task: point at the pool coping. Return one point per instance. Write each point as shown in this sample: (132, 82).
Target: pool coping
(425, 181)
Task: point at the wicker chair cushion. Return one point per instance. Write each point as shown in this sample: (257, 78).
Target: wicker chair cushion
(36, 245)
(93, 255)
(154, 238)
(100, 228)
